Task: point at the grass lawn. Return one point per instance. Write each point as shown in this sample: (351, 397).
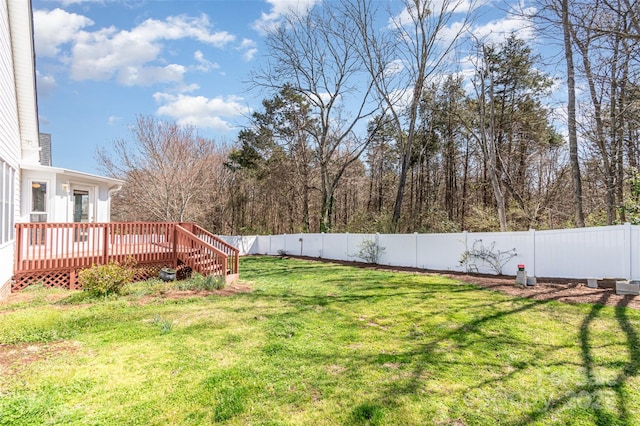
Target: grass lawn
(318, 344)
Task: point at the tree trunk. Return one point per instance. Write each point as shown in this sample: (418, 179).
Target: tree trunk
(571, 117)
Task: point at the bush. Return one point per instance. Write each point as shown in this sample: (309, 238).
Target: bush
(370, 251)
(198, 282)
(496, 259)
(101, 280)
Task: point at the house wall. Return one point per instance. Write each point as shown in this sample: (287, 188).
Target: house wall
(20, 25)
(60, 200)
(10, 149)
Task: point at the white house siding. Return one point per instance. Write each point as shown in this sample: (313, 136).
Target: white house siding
(20, 24)
(60, 185)
(10, 147)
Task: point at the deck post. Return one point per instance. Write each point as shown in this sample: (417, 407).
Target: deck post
(18, 250)
(105, 245)
(236, 263)
(73, 279)
(175, 245)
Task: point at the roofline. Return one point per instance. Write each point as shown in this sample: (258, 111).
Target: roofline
(71, 173)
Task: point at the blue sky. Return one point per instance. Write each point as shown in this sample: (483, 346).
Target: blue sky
(99, 64)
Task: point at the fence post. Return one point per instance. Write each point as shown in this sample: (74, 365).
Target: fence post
(347, 252)
(627, 251)
(531, 249)
(465, 236)
(415, 234)
(301, 240)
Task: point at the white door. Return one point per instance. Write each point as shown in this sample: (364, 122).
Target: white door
(83, 210)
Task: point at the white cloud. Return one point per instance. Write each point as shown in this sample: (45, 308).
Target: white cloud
(394, 67)
(46, 84)
(404, 18)
(279, 9)
(42, 120)
(70, 2)
(113, 119)
(250, 49)
(205, 65)
(131, 57)
(499, 30)
(200, 111)
(179, 27)
(146, 76)
(55, 28)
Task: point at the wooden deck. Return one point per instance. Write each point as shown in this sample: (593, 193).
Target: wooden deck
(53, 253)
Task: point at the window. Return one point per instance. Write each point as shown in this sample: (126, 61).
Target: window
(7, 204)
(38, 201)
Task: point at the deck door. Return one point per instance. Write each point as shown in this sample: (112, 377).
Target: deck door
(83, 211)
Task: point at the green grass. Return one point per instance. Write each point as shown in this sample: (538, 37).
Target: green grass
(318, 344)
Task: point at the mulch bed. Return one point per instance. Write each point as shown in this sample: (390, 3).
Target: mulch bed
(560, 289)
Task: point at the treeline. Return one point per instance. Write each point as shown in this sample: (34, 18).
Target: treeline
(375, 128)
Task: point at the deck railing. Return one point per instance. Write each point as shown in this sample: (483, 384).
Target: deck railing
(199, 255)
(231, 252)
(61, 249)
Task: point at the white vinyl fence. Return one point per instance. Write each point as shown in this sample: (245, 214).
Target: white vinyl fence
(600, 252)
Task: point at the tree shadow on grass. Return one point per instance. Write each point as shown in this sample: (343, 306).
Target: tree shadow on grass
(588, 396)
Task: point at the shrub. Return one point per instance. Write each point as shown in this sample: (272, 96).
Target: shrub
(101, 280)
(370, 251)
(198, 282)
(496, 259)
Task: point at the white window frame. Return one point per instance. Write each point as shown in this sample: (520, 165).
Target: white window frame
(47, 199)
(7, 202)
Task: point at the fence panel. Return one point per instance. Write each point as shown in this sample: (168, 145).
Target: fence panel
(399, 250)
(311, 245)
(440, 252)
(500, 242)
(292, 243)
(634, 256)
(581, 253)
(277, 244)
(336, 246)
(245, 244)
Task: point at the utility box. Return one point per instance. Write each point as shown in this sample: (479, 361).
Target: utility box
(521, 276)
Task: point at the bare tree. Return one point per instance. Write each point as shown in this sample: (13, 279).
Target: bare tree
(313, 53)
(571, 114)
(166, 168)
(403, 56)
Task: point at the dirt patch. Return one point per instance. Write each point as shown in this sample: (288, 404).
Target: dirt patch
(571, 291)
(27, 296)
(236, 288)
(560, 289)
(14, 358)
